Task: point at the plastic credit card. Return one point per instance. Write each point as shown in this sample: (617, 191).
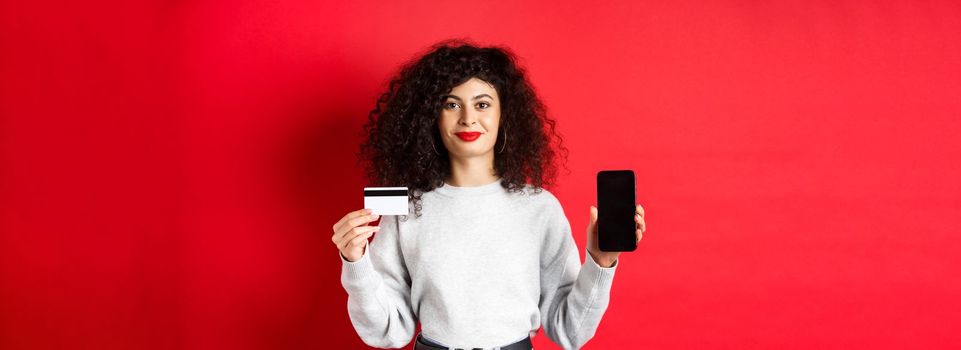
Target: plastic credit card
(386, 200)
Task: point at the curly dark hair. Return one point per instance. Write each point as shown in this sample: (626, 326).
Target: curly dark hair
(402, 136)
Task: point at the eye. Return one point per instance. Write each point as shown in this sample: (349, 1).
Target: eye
(450, 105)
(485, 104)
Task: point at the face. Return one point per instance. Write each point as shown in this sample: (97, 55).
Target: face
(469, 119)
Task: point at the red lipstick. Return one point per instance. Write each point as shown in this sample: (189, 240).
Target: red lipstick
(468, 136)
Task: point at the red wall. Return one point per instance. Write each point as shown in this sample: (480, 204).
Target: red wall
(169, 171)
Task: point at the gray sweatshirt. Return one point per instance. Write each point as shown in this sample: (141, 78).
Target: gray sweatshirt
(482, 267)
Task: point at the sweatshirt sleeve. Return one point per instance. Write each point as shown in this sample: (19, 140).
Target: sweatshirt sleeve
(574, 296)
(378, 289)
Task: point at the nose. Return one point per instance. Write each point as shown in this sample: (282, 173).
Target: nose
(468, 121)
(468, 118)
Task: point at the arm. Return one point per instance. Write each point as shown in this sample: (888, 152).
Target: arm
(378, 288)
(574, 296)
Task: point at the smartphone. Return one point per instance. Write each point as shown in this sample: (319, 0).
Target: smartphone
(615, 211)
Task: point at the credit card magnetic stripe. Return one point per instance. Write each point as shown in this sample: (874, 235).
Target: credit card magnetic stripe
(385, 192)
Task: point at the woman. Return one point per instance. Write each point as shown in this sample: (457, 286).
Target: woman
(487, 256)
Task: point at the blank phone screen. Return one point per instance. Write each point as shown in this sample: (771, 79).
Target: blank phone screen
(615, 211)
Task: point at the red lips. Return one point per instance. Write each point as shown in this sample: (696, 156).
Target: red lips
(468, 136)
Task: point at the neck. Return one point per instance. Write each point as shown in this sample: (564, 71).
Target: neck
(472, 171)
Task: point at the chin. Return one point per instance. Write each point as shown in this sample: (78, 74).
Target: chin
(466, 152)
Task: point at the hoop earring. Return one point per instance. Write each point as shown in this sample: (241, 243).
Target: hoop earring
(503, 145)
(433, 147)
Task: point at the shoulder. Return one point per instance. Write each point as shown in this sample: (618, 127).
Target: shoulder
(540, 198)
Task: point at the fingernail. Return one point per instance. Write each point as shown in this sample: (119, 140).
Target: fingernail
(374, 217)
(368, 210)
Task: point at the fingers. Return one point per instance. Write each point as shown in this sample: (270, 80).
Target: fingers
(639, 219)
(355, 222)
(354, 243)
(361, 220)
(355, 236)
(593, 220)
(641, 225)
(360, 240)
(351, 215)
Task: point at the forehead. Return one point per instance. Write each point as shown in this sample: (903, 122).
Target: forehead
(473, 87)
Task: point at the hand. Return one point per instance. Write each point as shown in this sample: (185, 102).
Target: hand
(351, 233)
(607, 259)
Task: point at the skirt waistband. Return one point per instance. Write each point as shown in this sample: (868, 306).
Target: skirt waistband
(422, 343)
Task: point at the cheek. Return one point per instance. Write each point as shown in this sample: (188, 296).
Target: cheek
(445, 122)
(492, 121)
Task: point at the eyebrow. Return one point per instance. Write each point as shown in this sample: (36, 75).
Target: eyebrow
(475, 97)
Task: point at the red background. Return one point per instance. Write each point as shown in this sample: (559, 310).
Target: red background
(169, 171)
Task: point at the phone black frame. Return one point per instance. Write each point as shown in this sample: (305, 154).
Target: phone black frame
(616, 228)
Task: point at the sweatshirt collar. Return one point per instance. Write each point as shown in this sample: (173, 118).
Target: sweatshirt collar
(451, 190)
